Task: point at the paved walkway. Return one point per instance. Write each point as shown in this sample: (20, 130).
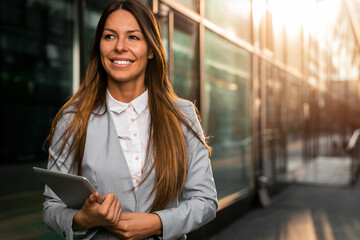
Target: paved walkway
(21, 217)
(21, 204)
(306, 212)
(324, 171)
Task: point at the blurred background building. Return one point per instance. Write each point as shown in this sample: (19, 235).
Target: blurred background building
(277, 83)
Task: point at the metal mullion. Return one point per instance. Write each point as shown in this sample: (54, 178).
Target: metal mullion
(78, 43)
(224, 34)
(202, 105)
(200, 18)
(182, 9)
(155, 6)
(76, 47)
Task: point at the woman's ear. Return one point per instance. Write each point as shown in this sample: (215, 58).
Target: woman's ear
(150, 54)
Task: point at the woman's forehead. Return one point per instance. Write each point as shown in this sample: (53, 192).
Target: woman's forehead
(122, 19)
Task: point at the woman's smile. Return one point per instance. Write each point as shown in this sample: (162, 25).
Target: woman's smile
(123, 63)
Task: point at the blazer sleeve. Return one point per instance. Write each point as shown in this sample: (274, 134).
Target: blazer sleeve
(199, 203)
(56, 215)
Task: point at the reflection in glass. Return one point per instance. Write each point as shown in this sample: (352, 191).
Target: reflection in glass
(273, 154)
(279, 43)
(192, 4)
(294, 123)
(293, 47)
(92, 13)
(232, 15)
(186, 57)
(36, 73)
(227, 115)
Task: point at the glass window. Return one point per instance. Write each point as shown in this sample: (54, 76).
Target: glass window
(227, 114)
(272, 132)
(293, 47)
(294, 123)
(186, 57)
(279, 43)
(192, 4)
(232, 15)
(36, 44)
(275, 26)
(92, 13)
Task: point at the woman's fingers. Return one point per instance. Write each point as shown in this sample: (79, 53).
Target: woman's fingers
(94, 214)
(94, 197)
(118, 212)
(110, 209)
(97, 197)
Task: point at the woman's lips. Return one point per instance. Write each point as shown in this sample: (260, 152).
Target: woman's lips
(121, 62)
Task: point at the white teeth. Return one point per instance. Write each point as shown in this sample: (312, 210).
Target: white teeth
(121, 62)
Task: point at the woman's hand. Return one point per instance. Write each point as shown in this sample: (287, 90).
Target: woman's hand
(134, 226)
(94, 214)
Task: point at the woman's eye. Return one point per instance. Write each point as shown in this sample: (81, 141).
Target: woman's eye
(108, 37)
(133, 37)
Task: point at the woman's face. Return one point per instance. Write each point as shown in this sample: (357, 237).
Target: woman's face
(123, 49)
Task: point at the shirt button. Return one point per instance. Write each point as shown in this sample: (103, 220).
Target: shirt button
(129, 106)
(137, 158)
(132, 119)
(137, 181)
(134, 134)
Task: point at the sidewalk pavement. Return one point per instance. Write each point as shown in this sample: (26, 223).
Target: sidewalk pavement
(302, 213)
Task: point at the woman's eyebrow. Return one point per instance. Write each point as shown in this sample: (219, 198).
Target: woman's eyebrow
(130, 31)
(109, 29)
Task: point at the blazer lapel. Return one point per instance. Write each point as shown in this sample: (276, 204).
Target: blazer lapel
(104, 160)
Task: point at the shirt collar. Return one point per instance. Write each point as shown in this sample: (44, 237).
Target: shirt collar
(139, 103)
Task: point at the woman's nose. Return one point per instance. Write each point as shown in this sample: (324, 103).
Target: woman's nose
(121, 45)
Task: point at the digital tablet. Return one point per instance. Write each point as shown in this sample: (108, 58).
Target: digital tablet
(73, 190)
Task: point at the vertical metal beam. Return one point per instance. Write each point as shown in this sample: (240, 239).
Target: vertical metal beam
(256, 119)
(155, 6)
(202, 105)
(81, 9)
(76, 47)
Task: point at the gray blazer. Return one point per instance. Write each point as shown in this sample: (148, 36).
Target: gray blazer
(105, 166)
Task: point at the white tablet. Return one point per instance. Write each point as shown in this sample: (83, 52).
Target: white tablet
(73, 190)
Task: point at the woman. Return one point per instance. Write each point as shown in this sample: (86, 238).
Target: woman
(139, 145)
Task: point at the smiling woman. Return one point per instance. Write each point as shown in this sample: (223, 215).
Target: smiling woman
(140, 145)
(124, 55)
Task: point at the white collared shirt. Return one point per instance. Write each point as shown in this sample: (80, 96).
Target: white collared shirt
(132, 126)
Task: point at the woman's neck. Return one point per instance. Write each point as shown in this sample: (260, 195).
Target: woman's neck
(125, 92)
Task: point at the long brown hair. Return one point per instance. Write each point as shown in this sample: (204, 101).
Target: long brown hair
(166, 139)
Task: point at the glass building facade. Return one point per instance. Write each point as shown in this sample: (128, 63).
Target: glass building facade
(36, 72)
(276, 81)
